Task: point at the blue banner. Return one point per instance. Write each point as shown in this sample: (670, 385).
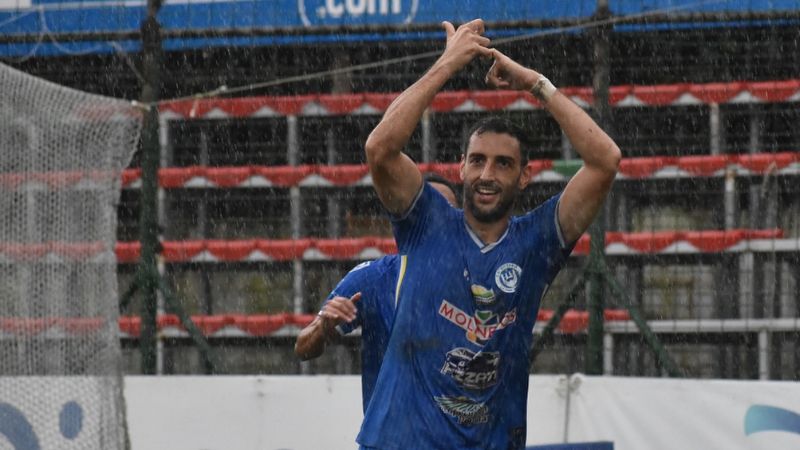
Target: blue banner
(43, 17)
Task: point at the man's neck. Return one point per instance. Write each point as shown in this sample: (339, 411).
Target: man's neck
(488, 233)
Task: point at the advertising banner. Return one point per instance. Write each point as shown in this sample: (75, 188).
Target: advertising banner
(47, 17)
(313, 412)
(667, 414)
(28, 423)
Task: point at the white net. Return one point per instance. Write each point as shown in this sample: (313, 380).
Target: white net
(61, 156)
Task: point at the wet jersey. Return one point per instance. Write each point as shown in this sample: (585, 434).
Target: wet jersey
(455, 373)
(376, 280)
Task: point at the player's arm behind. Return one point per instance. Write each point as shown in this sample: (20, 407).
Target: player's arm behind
(588, 188)
(395, 176)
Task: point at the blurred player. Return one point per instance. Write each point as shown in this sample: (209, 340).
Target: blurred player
(364, 298)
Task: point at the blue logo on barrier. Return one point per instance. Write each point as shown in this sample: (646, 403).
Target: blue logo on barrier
(16, 428)
(356, 12)
(769, 418)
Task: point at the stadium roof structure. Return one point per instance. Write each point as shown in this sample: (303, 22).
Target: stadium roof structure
(360, 248)
(782, 163)
(345, 175)
(468, 101)
(226, 325)
(617, 243)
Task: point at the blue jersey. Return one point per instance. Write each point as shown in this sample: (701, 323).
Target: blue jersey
(455, 373)
(376, 280)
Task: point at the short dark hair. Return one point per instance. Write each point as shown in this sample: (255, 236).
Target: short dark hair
(432, 177)
(500, 125)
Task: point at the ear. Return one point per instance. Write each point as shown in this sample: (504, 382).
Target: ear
(461, 166)
(525, 177)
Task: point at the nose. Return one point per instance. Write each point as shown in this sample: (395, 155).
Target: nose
(488, 171)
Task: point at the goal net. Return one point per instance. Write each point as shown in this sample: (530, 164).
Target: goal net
(61, 156)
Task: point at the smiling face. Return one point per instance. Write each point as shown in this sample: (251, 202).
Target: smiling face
(493, 175)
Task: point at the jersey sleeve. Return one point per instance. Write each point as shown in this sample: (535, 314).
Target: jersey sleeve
(410, 229)
(359, 279)
(545, 230)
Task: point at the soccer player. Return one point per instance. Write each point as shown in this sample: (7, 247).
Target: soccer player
(363, 298)
(455, 372)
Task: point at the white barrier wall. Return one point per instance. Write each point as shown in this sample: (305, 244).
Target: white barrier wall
(322, 412)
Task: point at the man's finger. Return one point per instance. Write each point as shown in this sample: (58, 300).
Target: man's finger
(498, 55)
(476, 25)
(493, 77)
(449, 29)
(485, 52)
(356, 297)
(328, 315)
(497, 82)
(344, 307)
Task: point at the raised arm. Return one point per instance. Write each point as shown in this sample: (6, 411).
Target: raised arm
(312, 339)
(587, 190)
(395, 176)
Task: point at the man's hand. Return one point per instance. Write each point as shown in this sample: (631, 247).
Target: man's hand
(506, 73)
(311, 340)
(464, 44)
(339, 310)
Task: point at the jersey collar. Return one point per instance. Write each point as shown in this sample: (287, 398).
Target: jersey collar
(484, 248)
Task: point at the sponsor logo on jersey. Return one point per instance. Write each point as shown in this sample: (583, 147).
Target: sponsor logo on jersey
(507, 277)
(479, 327)
(482, 296)
(468, 412)
(472, 370)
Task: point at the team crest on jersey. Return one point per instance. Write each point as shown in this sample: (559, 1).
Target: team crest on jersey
(472, 370)
(482, 296)
(479, 327)
(507, 277)
(468, 412)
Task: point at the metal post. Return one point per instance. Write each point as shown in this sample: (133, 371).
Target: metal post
(726, 292)
(165, 159)
(292, 141)
(715, 132)
(602, 110)
(295, 205)
(334, 205)
(149, 275)
(427, 138)
(746, 283)
(729, 201)
(754, 145)
(763, 355)
(148, 220)
(203, 231)
(149, 242)
(608, 353)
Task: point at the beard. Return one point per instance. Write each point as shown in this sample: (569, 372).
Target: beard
(506, 201)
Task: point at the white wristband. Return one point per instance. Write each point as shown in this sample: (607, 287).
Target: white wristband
(543, 89)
